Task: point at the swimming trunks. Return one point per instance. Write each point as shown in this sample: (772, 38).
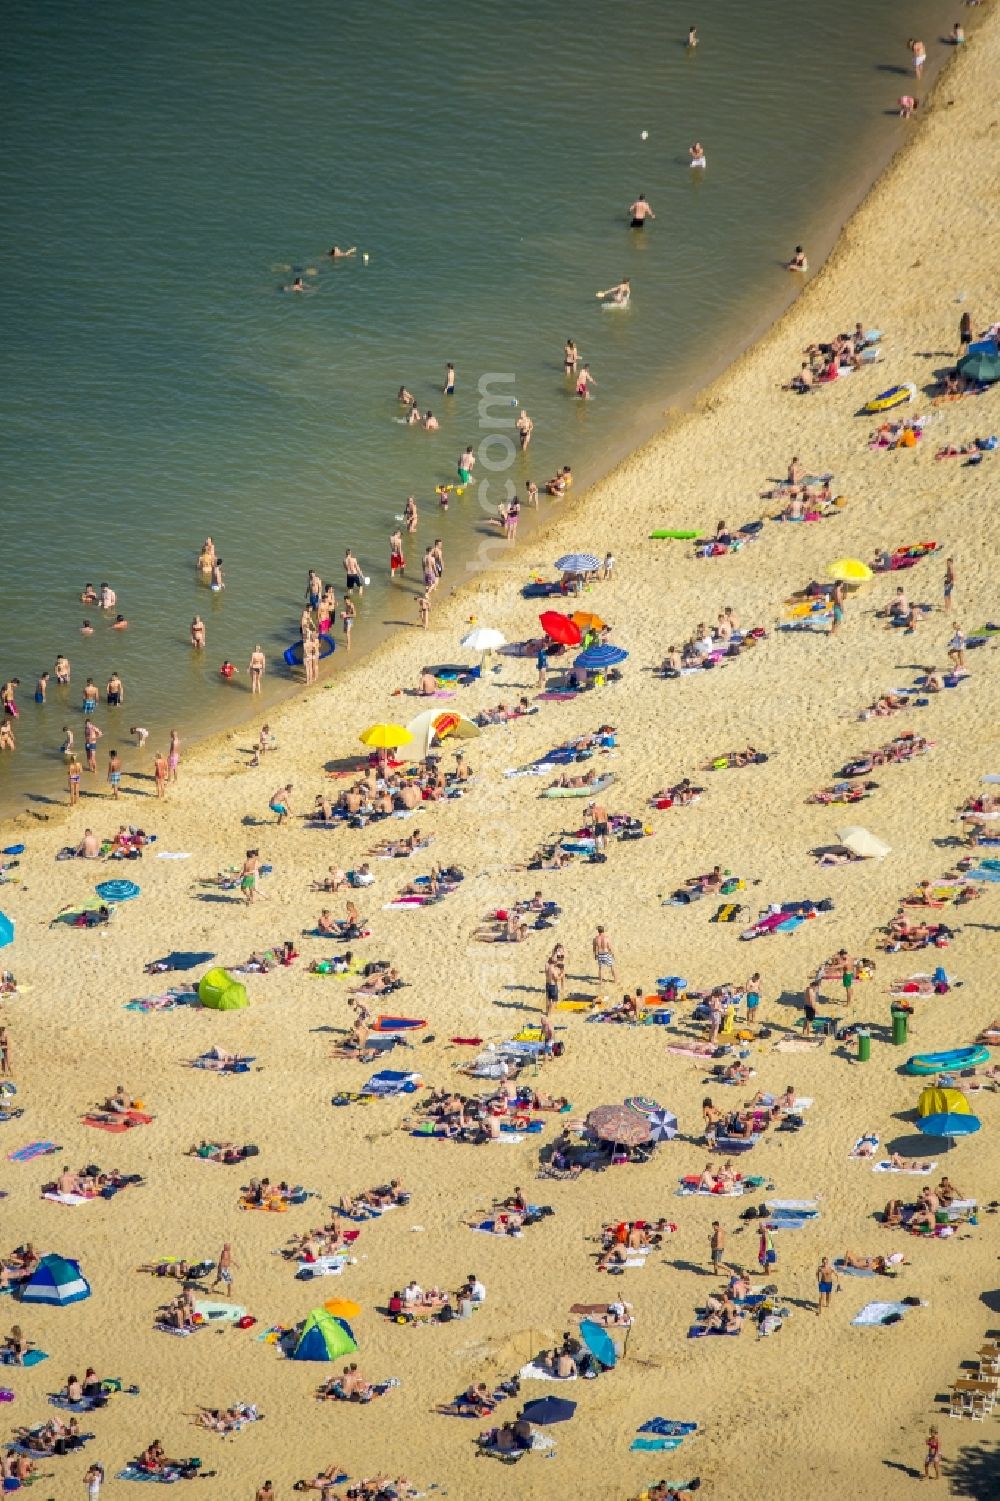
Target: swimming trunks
(355, 581)
(551, 990)
(115, 778)
(278, 808)
(89, 705)
(637, 223)
(114, 698)
(601, 830)
(826, 1287)
(463, 475)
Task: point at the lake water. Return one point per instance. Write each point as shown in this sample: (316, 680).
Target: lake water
(167, 169)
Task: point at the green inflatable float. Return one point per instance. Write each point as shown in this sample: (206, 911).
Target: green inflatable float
(220, 992)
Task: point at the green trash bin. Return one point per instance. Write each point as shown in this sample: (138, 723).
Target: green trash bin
(864, 1047)
(899, 1028)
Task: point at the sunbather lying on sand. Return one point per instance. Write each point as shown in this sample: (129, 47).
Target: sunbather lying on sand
(401, 848)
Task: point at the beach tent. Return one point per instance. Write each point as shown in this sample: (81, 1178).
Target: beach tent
(981, 366)
(439, 724)
(6, 930)
(324, 1337)
(220, 992)
(58, 1280)
(942, 1102)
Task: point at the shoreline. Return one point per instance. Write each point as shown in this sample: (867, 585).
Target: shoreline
(660, 417)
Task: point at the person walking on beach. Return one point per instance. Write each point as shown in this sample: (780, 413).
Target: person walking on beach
(825, 1277)
(280, 802)
(174, 754)
(114, 773)
(347, 613)
(932, 1459)
(248, 876)
(224, 1269)
(604, 957)
(717, 1247)
(767, 1256)
(257, 666)
(949, 584)
(160, 773)
(424, 607)
(437, 553)
(956, 646)
(93, 1480)
(74, 771)
(265, 1492)
(410, 515)
(639, 212)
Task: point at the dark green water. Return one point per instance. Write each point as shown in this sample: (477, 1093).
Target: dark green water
(168, 168)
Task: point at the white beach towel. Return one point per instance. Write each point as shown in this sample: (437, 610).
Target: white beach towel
(66, 1198)
(532, 1372)
(877, 1313)
(912, 1172)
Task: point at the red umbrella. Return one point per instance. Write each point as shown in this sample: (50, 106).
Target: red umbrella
(560, 628)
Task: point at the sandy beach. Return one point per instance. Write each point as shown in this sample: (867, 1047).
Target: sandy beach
(821, 1401)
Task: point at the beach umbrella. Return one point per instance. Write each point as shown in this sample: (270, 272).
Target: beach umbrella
(546, 1410)
(642, 1104)
(981, 366)
(483, 638)
(6, 930)
(578, 562)
(662, 1126)
(587, 620)
(617, 1123)
(596, 657)
(849, 571)
(599, 1343)
(947, 1124)
(560, 628)
(117, 891)
(860, 842)
(342, 1308)
(385, 736)
(440, 724)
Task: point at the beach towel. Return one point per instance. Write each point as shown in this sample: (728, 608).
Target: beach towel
(117, 1124)
(728, 912)
(323, 1266)
(488, 1227)
(532, 1372)
(656, 1445)
(797, 1044)
(864, 1146)
(72, 1199)
(880, 1313)
(853, 1271)
(388, 1082)
(690, 1187)
(34, 1149)
(916, 1171)
(667, 1428)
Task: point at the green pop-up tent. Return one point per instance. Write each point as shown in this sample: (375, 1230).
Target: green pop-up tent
(220, 992)
(324, 1338)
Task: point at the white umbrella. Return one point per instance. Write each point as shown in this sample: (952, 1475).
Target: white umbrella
(863, 843)
(578, 562)
(483, 638)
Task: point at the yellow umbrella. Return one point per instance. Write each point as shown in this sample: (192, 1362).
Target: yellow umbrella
(849, 571)
(342, 1308)
(385, 736)
(587, 620)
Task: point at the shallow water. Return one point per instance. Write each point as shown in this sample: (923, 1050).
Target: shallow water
(168, 170)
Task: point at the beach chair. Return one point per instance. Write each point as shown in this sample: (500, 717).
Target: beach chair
(956, 1406)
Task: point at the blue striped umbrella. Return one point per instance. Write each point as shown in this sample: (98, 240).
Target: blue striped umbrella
(117, 891)
(604, 655)
(578, 562)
